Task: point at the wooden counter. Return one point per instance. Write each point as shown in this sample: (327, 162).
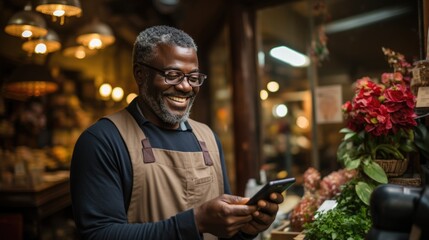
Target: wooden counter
(34, 203)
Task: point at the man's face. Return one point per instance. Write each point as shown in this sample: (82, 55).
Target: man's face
(170, 105)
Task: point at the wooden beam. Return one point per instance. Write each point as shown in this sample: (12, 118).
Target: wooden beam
(245, 94)
(425, 6)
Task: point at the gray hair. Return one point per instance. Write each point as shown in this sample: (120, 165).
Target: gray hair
(150, 38)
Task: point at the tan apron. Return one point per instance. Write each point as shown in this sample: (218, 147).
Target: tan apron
(167, 182)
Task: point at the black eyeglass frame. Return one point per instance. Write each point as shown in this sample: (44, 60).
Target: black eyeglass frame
(164, 73)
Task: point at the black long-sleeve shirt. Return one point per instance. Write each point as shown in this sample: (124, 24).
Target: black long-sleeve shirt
(101, 183)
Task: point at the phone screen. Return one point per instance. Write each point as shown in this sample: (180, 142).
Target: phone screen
(278, 186)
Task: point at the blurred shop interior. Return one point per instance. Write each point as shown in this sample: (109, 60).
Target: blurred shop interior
(263, 109)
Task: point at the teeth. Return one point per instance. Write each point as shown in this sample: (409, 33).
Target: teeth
(177, 99)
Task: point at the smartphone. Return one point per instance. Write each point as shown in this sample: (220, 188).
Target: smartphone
(264, 193)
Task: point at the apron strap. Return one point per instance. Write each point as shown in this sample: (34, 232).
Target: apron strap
(207, 159)
(130, 130)
(148, 156)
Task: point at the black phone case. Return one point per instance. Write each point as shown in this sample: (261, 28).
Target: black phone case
(272, 186)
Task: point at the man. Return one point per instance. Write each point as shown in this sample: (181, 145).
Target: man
(150, 172)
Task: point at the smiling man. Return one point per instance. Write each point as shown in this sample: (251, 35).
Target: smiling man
(150, 172)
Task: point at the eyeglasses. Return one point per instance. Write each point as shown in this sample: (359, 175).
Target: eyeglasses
(175, 77)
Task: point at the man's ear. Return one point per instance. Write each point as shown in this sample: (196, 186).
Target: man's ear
(138, 74)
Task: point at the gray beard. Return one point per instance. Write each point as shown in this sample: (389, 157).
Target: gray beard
(161, 110)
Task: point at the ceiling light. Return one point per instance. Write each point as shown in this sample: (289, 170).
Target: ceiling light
(130, 97)
(365, 19)
(105, 90)
(79, 52)
(43, 45)
(302, 122)
(280, 110)
(26, 24)
(96, 35)
(59, 8)
(273, 86)
(75, 50)
(290, 56)
(30, 80)
(166, 6)
(117, 94)
(263, 94)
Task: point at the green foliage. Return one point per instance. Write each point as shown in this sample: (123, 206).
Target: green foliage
(349, 220)
(374, 171)
(357, 152)
(356, 145)
(364, 190)
(347, 200)
(336, 224)
(421, 139)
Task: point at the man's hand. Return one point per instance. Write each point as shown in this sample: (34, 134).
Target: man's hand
(224, 216)
(265, 216)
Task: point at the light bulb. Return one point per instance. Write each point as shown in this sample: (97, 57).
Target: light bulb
(130, 97)
(26, 34)
(80, 53)
(117, 94)
(59, 13)
(263, 94)
(280, 110)
(40, 48)
(105, 90)
(95, 43)
(273, 86)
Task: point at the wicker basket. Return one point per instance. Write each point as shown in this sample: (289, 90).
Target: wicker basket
(411, 180)
(393, 167)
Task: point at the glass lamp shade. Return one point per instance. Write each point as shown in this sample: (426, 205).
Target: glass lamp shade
(166, 6)
(43, 45)
(30, 80)
(59, 8)
(96, 35)
(79, 52)
(26, 24)
(75, 50)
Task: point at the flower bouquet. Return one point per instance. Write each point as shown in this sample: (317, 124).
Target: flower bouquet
(380, 125)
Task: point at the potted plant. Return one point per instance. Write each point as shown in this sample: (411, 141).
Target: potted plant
(381, 131)
(380, 126)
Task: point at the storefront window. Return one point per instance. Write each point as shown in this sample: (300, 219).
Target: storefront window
(339, 42)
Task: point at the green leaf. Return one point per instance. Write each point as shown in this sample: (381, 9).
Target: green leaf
(422, 139)
(374, 171)
(389, 149)
(366, 160)
(421, 132)
(346, 130)
(364, 190)
(352, 164)
(408, 146)
(349, 136)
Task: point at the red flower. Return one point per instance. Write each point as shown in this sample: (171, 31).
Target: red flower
(382, 109)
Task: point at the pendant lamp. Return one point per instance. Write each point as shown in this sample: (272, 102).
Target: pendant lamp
(166, 6)
(96, 35)
(76, 50)
(30, 80)
(26, 24)
(43, 45)
(59, 8)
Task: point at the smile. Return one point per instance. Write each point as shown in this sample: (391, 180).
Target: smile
(177, 99)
